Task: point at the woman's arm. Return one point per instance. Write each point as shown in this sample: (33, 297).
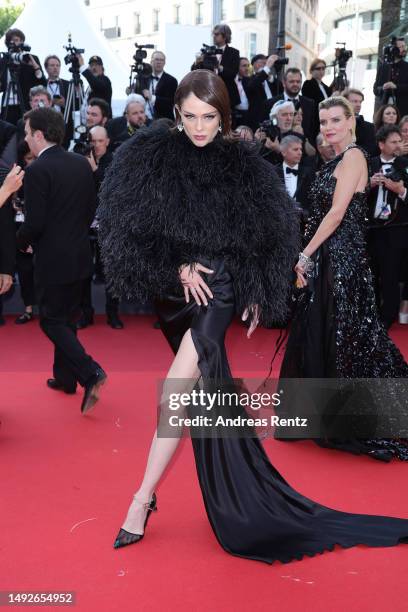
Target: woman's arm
(11, 184)
(352, 167)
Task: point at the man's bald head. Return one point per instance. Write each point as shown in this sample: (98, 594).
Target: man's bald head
(100, 140)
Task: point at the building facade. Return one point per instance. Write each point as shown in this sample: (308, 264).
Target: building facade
(181, 26)
(357, 24)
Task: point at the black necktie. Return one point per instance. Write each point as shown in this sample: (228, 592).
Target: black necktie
(291, 171)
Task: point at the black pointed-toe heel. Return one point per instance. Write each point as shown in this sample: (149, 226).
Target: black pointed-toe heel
(124, 538)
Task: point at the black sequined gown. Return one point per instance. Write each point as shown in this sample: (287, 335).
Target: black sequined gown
(336, 331)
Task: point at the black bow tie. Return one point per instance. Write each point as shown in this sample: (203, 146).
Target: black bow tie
(53, 82)
(291, 171)
(156, 78)
(387, 163)
(293, 100)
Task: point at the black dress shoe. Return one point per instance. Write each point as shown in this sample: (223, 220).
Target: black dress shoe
(2, 321)
(84, 322)
(53, 383)
(124, 538)
(26, 317)
(114, 321)
(156, 325)
(91, 390)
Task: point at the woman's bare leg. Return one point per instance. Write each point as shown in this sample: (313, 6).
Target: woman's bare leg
(185, 369)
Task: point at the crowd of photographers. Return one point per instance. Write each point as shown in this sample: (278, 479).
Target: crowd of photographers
(271, 106)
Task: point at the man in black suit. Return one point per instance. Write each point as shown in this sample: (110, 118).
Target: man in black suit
(240, 115)
(391, 83)
(388, 220)
(122, 128)
(28, 73)
(10, 182)
(296, 176)
(159, 89)
(60, 204)
(40, 97)
(365, 131)
(57, 87)
(261, 87)
(228, 61)
(100, 85)
(292, 84)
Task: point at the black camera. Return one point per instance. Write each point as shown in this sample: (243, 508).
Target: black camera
(391, 51)
(71, 56)
(342, 55)
(280, 62)
(399, 170)
(210, 60)
(140, 67)
(17, 54)
(83, 143)
(270, 128)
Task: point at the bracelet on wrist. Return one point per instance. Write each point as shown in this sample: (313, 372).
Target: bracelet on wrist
(306, 262)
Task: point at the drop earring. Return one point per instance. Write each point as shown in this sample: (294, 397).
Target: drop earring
(180, 126)
(220, 127)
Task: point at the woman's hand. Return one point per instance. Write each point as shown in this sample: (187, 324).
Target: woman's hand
(194, 284)
(255, 311)
(13, 181)
(301, 279)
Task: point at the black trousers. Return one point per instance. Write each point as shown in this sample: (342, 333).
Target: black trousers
(58, 308)
(386, 262)
(25, 271)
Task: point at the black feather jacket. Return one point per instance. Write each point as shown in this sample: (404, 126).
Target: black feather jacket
(165, 202)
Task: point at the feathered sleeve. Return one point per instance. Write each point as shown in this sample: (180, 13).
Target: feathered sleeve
(270, 241)
(139, 261)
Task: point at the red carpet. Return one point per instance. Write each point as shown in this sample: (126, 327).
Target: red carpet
(66, 482)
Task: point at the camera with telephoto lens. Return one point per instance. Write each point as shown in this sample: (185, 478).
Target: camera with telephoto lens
(17, 54)
(398, 170)
(270, 128)
(71, 56)
(391, 51)
(83, 143)
(210, 60)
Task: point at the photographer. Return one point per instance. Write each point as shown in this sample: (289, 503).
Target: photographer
(159, 89)
(57, 87)
(99, 84)
(227, 61)
(391, 83)
(122, 128)
(97, 112)
(365, 131)
(40, 97)
(99, 159)
(296, 176)
(260, 87)
(388, 220)
(292, 84)
(26, 71)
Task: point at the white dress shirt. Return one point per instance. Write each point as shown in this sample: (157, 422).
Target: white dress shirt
(382, 208)
(152, 88)
(322, 89)
(244, 104)
(291, 181)
(266, 82)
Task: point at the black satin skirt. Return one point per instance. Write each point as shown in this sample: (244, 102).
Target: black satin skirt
(253, 511)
